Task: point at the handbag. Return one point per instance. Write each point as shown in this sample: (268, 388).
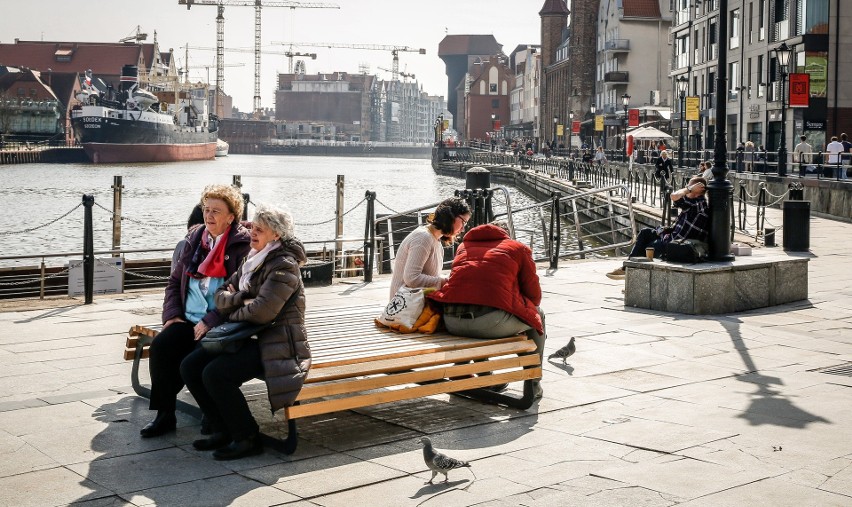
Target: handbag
(229, 337)
(404, 307)
(688, 251)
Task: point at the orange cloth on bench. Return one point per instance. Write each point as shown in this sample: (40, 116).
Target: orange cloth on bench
(428, 321)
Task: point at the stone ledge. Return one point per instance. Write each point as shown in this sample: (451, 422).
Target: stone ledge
(768, 278)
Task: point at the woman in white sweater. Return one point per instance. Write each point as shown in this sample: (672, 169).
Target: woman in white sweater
(420, 256)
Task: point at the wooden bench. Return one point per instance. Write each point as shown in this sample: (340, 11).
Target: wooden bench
(356, 364)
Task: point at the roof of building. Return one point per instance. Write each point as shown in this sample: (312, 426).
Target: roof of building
(551, 7)
(641, 9)
(469, 45)
(103, 58)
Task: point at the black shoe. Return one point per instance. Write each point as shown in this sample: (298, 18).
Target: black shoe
(205, 426)
(215, 441)
(165, 422)
(236, 450)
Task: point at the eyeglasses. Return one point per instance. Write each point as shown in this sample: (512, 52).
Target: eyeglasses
(464, 222)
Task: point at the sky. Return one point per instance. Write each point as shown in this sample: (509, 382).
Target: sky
(377, 22)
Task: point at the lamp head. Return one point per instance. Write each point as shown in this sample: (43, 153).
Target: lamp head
(682, 85)
(782, 53)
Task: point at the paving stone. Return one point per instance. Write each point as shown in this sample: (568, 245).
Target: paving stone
(657, 436)
(55, 486)
(161, 468)
(685, 478)
(19, 457)
(770, 492)
(232, 490)
(840, 483)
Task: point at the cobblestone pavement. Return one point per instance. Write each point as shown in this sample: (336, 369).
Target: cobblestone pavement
(654, 409)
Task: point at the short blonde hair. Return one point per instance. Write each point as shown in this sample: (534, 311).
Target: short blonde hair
(278, 220)
(230, 194)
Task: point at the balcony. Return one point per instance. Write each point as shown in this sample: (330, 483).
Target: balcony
(619, 76)
(617, 46)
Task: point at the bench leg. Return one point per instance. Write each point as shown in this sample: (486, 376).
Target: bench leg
(138, 388)
(524, 402)
(288, 445)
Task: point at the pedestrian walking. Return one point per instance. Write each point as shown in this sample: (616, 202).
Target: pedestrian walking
(802, 155)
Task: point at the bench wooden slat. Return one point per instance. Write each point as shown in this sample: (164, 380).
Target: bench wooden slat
(419, 361)
(312, 391)
(334, 405)
(130, 354)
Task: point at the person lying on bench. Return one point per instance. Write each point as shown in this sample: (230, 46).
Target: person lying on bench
(212, 253)
(493, 290)
(280, 355)
(692, 223)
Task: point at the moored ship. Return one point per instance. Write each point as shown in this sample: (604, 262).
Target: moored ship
(136, 125)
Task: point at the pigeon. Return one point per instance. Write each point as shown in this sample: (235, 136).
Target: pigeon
(438, 462)
(565, 351)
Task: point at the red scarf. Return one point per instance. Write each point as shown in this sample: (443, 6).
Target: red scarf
(214, 265)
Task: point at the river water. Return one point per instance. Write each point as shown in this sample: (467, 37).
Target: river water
(157, 198)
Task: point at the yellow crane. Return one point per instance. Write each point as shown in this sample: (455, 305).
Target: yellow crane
(395, 50)
(220, 36)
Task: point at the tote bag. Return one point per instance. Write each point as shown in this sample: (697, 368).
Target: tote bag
(404, 307)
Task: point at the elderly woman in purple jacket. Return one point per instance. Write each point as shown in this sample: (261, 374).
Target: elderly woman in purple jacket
(212, 253)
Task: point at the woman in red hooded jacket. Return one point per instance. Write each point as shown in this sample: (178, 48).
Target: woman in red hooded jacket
(493, 290)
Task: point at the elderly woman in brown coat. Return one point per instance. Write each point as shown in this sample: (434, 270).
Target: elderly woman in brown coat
(280, 355)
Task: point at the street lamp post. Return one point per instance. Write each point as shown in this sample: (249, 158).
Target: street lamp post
(782, 53)
(593, 109)
(570, 131)
(682, 85)
(553, 143)
(625, 101)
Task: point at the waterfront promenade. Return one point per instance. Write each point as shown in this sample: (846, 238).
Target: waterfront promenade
(654, 409)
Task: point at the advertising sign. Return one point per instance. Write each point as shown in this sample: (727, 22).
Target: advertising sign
(693, 108)
(560, 130)
(633, 118)
(599, 123)
(800, 90)
(575, 127)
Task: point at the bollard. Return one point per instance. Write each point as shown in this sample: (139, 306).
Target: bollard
(116, 214)
(797, 225)
(246, 201)
(479, 178)
(769, 236)
(88, 249)
(797, 192)
(369, 236)
(236, 180)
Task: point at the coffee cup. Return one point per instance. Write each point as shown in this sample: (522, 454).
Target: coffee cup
(649, 253)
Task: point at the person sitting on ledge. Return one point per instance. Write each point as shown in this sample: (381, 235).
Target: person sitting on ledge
(692, 223)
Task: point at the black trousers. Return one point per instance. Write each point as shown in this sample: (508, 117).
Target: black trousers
(215, 379)
(647, 237)
(167, 351)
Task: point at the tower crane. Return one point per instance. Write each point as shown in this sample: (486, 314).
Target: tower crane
(288, 54)
(405, 75)
(220, 36)
(395, 50)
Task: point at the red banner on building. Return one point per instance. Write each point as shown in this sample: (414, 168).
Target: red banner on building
(633, 118)
(800, 90)
(575, 127)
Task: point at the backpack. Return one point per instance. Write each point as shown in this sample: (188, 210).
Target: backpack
(687, 251)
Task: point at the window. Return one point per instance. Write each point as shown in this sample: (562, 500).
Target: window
(760, 78)
(812, 16)
(712, 37)
(682, 51)
(735, 29)
(492, 88)
(761, 19)
(780, 20)
(495, 104)
(733, 80)
(748, 78)
(751, 22)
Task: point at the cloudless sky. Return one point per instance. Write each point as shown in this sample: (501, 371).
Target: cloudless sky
(381, 22)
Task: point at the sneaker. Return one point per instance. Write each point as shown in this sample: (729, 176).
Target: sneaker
(616, 274)
(538, 392)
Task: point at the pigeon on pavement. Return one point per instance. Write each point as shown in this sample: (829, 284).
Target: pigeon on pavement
(565, 351)
(438, 462)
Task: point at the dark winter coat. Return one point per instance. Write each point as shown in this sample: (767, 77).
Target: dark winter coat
(492, 269)
(271, 285)
(663, 167)
(235, 251)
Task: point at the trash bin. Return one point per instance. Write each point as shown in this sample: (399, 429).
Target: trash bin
(797, 225)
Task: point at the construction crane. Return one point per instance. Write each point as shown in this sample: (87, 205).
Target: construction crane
(395, 50)
(137, 37)
(220, 36)
(288, 54)
(404, 74)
